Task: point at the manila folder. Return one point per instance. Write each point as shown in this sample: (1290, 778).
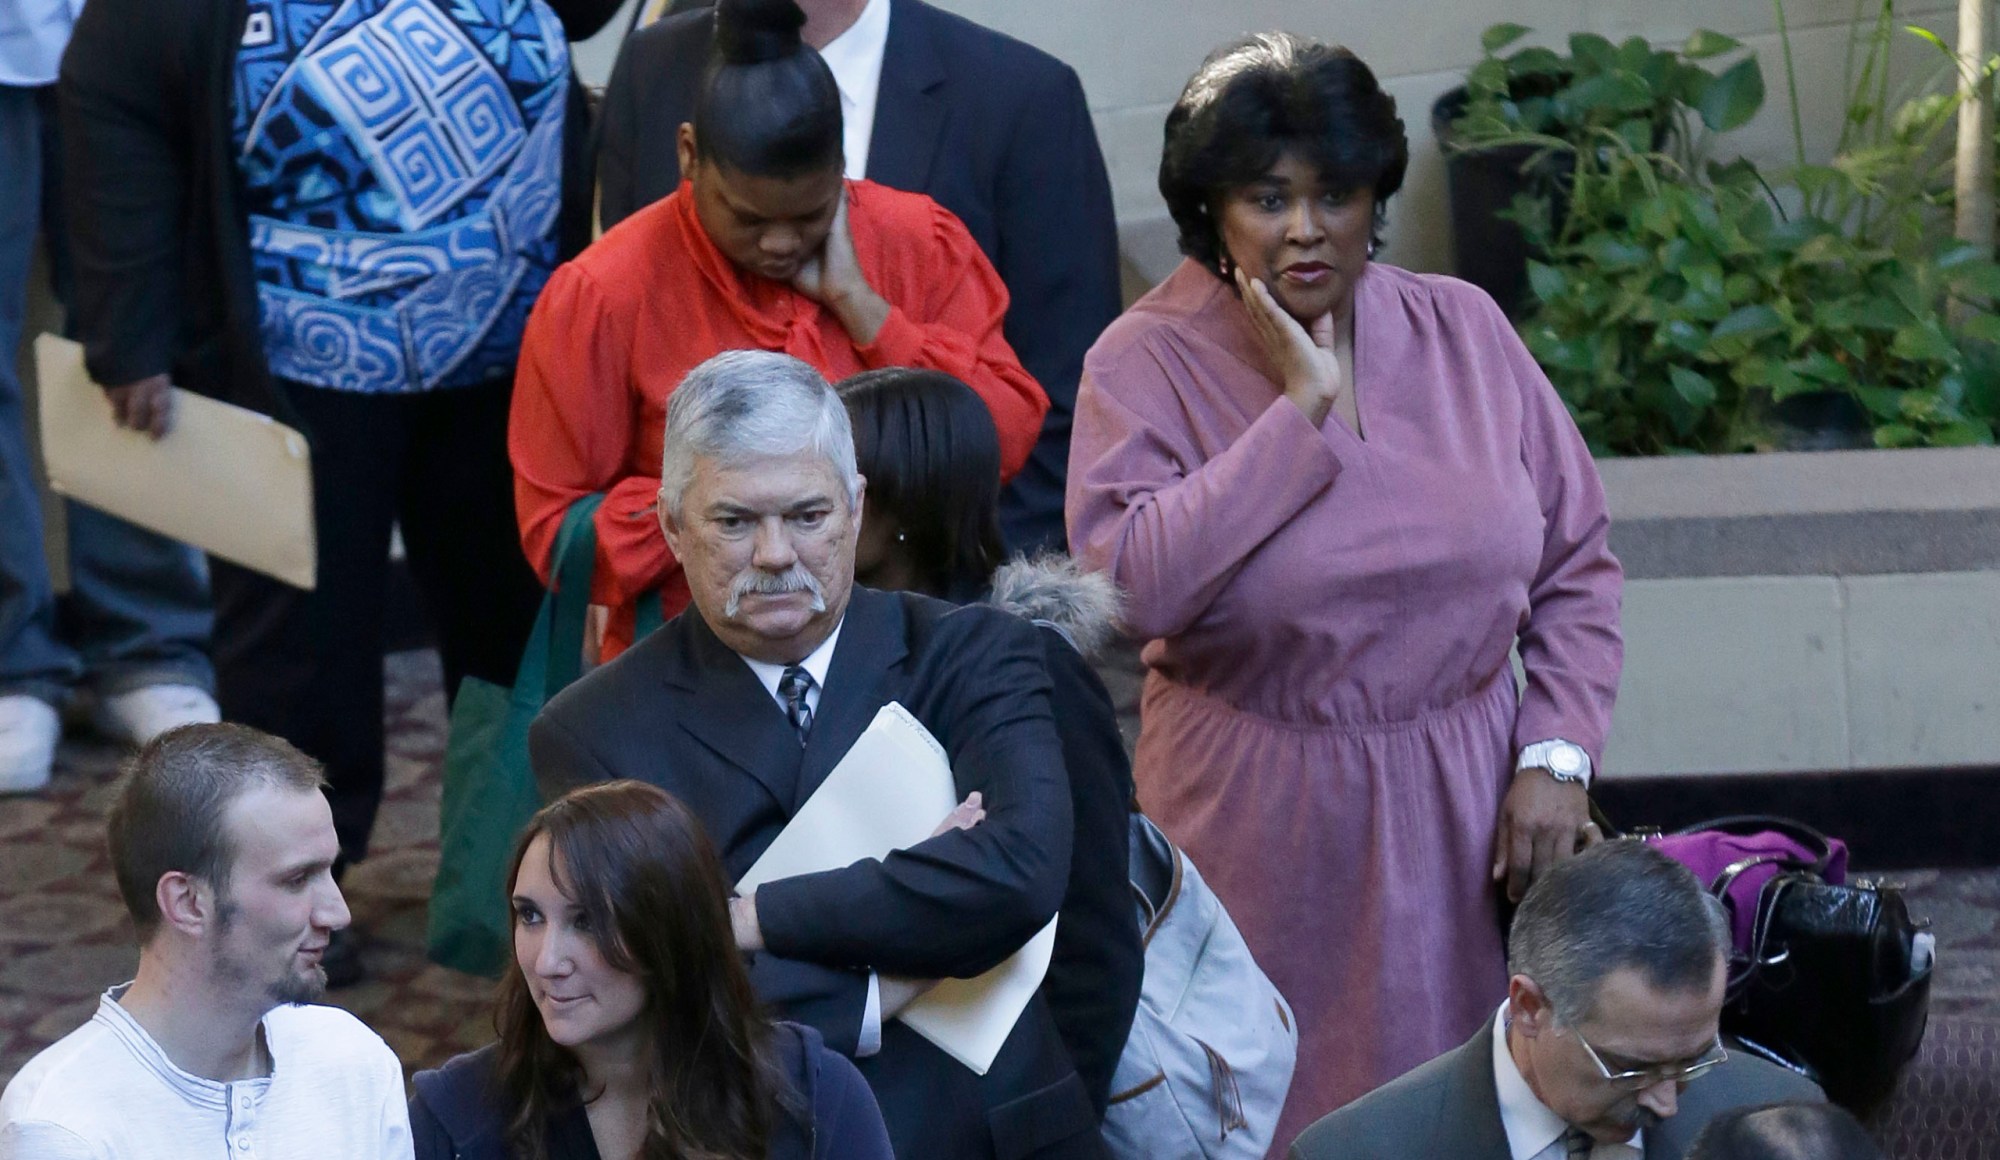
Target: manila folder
(227, 480)
(888, 793)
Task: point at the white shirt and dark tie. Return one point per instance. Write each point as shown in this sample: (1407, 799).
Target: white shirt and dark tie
(855, 59)
(1533, 1131)
(782, 682)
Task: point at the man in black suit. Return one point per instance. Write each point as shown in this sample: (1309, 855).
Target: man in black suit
(1607, 1047)
(742, 706)
(992, 129)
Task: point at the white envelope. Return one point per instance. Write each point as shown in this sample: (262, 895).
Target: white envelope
(227, 480)
(888, 793)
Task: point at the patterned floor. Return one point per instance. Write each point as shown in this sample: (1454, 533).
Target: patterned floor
(63, 936)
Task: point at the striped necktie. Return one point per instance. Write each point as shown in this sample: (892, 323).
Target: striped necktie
(793, 687)
(1577, 1144)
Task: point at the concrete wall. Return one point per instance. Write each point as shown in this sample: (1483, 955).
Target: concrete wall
(1134, 56)
(1808, 612)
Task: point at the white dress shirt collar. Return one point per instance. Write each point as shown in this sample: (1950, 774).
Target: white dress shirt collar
(815, 664)
(1532, 1128)
(855, 57)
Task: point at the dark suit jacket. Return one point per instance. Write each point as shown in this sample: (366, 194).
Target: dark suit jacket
(992, 129)
(1451, 1107)
(682, 711)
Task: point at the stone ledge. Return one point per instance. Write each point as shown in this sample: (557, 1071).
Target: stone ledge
(1818, 513)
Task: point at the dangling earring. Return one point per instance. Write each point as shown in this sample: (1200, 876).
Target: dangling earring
(902, 538)
(1226, 267)
(1371, 249)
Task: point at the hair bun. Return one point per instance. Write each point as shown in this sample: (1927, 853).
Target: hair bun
(754, 31)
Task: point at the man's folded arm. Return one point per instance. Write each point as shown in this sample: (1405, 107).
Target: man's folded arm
(960, 903)
(829, 999)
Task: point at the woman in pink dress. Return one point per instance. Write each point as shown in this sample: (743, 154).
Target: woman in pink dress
(1339, 494)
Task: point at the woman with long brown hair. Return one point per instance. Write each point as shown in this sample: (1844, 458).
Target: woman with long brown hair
(627, 1025)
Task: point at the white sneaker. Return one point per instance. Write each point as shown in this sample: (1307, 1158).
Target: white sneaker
(139, 715)
(29, 730)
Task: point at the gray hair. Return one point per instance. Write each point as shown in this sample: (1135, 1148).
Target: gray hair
(1617, 905)
(743, 404)
(1785, 1132)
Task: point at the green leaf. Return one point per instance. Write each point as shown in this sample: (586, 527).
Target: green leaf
(1547, 281)
(1683, 336)
(1898, 435)
(1616, 90)
(1963, 433)
(1614, 252)
(1977, 278)
(1707, 42)
(1734, 97)
(1882, 402)
(1593, 53)
(1499, 36)
(1752, 322)
(1537, 62)
(1922, 341)
(1983, 326)
(1695, 389)
(1822, 367)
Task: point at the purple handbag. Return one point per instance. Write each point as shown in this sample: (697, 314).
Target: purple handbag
(1829, 977)
(1736, 857)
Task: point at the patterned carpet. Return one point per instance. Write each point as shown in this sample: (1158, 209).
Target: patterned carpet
(64, 938)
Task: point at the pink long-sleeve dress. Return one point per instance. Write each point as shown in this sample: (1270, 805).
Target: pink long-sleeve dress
(1330, 719)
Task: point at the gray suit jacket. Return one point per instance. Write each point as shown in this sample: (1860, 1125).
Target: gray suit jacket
(1450, 1107)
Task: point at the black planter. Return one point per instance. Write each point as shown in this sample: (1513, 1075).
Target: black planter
(1491, 252)
(1820, 421)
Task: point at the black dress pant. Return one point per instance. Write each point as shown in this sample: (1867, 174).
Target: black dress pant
(307, 666)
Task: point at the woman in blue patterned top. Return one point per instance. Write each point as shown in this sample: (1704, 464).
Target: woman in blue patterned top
(338, 212)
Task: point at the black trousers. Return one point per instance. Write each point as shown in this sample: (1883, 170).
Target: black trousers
(307, 666)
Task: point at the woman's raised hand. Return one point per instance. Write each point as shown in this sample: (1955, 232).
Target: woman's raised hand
(1307, 361)
(833, 278)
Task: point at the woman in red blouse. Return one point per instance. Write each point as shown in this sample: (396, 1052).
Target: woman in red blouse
(765, 246)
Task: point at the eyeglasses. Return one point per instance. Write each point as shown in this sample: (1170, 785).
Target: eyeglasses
(1658, 1073)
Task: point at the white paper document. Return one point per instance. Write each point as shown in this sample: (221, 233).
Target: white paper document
(227, 480)
(888, 793)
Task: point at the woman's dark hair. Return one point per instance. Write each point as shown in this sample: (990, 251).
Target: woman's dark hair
(931, 454)
(643, 871)
(767, 105)
(1260, 98)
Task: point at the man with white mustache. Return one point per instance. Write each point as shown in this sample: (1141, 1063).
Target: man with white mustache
(741, 706)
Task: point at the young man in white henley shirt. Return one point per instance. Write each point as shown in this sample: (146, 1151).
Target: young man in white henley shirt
(223, 846)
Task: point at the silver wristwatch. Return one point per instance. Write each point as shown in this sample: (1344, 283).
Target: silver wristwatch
(1565, 760)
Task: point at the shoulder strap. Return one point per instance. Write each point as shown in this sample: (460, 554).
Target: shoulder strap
(574, 569)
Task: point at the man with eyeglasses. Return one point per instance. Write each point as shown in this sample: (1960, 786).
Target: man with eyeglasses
(1608, 1046)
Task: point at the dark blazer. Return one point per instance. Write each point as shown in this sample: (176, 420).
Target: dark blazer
(992, 129)
(457, 1112)
(159, 238)
(1451, 1107)
(680, 710)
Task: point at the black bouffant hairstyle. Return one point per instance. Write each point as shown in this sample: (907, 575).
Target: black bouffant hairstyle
(1267, 95)
(768, 106)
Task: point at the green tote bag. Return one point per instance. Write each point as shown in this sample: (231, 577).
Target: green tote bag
(489, 788)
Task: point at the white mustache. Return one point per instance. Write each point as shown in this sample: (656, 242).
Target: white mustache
(756, 582)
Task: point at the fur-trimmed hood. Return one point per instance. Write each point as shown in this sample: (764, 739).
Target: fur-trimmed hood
(1083, 606)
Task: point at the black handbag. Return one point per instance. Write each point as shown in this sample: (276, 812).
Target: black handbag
(1835, 979)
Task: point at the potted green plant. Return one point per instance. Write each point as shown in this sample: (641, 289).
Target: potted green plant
(1524, 114)
(1694, 310)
